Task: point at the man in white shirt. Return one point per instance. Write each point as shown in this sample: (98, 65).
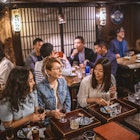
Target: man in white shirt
(47, 51)
(5, 67)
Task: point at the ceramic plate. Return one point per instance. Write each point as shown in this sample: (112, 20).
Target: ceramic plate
(138, 60)
(105, 110)
(73, 74)
(22, 133)
(84, 120)
(138, 55)
(127, 57)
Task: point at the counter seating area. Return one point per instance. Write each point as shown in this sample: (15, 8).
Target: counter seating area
(123, 126)
(128, 73)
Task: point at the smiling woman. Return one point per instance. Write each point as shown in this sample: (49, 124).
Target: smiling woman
(94, 88)
(18, 101)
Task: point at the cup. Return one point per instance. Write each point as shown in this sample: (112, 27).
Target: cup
(60, 54)
(137, 88)
(89, 135)
(118, 109)
(74, 124)
(113, 112)
(131, 97)
(79, 74)
(9, 133)
(128, 55)
(35, 134)
(75, 63)
(137, 96)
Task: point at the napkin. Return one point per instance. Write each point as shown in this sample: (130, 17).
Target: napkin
(41, 132)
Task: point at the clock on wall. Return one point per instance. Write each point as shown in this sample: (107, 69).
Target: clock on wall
(117, 16)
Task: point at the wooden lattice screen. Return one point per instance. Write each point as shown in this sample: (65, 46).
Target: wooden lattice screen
(43, 23)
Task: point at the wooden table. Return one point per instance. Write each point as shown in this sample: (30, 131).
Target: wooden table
(104, 118)
(73, 83)
(134, 104)
(128, 72)
(115, 131)
(133, 122)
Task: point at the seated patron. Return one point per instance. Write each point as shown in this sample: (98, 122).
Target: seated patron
(53, 92)
(119, 45)
(47, 51)
(5, 66)
(81, 54)
(94, 88)
(18, 101)
(101, 48)
(34, 56)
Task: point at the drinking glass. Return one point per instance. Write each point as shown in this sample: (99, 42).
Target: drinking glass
(41, 111)
(118, 109)
(137, 88)
(9, 133)
(113, 112)
(75, 63)
(89, 135)
(74, 124)
(35, 134)
(108, 98)
(63, 119)
(79, 74)
(131, 97)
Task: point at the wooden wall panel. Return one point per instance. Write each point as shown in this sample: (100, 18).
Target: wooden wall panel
(131, 23)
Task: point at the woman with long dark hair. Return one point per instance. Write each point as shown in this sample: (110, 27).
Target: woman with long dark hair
(18, 101)
(94, 88)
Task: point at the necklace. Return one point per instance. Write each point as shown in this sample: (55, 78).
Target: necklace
(54, 85)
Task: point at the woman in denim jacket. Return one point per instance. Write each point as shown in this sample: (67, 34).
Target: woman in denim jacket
(53, 93)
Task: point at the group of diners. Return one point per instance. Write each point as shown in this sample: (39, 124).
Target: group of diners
(24, 94)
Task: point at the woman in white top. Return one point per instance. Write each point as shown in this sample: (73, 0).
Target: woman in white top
(95, 87)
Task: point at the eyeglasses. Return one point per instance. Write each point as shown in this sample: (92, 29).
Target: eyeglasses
(58, 68)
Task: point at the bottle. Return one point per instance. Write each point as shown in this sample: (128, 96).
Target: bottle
(87, 70)
(9, 133)
(35, 134)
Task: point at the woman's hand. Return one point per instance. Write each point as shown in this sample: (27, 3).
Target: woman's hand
(35, 117)
(101, 101)
(57, 114)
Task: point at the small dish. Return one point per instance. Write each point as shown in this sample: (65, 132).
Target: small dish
(85, 120)
(137, 60)
(138, 55)
(108, 109)
(105, 110)
(127, 57)
(22, 133)
(72, 74)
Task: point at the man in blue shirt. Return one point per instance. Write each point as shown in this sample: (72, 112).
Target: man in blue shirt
(101, 48)
(119, 45)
